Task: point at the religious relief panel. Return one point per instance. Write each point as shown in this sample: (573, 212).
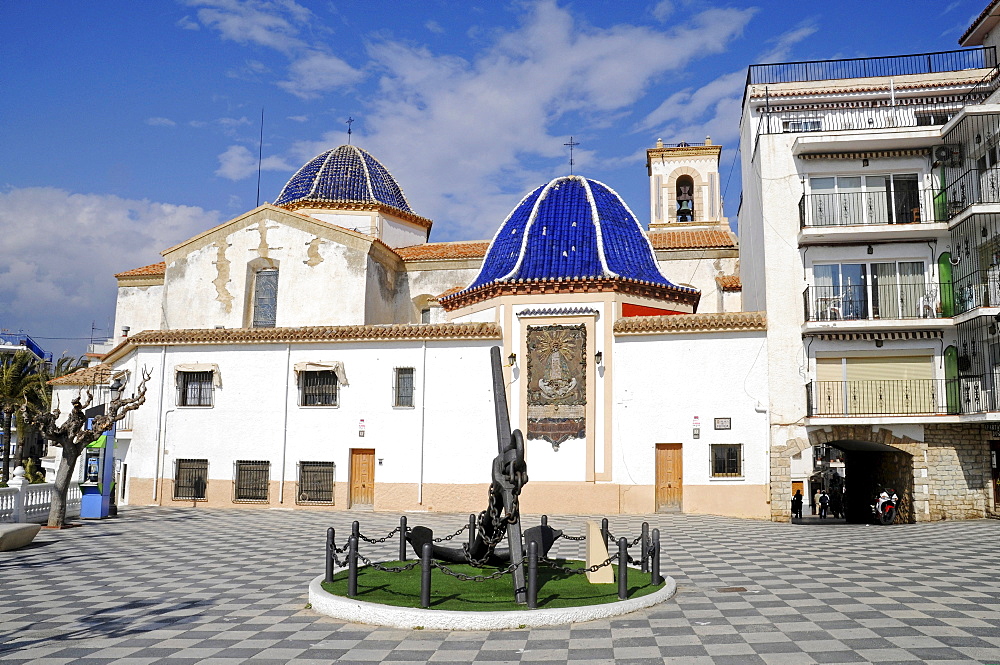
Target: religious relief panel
(557, 383)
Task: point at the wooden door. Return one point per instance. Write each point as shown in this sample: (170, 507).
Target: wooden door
(798, 486)
(362, 477)
(669, 477)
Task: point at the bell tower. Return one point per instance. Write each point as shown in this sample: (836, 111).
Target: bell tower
(684, 186)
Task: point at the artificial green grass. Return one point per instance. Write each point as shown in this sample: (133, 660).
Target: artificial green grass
(555, 588)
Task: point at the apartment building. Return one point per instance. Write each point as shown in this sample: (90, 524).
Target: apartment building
(870, 235)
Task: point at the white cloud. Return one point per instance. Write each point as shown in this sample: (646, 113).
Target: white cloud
(435, 27)
(269, 24)
(187, 23)
(237, 163)
(662, 10)
(299, 118)
(61, 249)
(160, 122)
(318, 72)
(457, 133)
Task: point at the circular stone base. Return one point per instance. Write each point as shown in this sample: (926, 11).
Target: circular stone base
(359, 611)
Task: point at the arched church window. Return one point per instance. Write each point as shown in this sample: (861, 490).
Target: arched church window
(265, 298)
(685, 199)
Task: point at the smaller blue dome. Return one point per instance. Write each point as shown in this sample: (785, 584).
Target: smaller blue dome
(573, 228)
(346, 174)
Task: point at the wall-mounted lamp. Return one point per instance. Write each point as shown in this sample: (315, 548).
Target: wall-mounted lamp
(116, 389)
(871, 250)
(511, 360)
(864, 162)
(380, 461)
(879, 343)
(992, 329)
(598, 357)
(985, 233)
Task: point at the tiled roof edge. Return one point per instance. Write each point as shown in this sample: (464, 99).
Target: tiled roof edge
(691, 323)
(88, 376)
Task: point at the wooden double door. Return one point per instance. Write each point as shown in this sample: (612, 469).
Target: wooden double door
(362, 478)
(669, 478)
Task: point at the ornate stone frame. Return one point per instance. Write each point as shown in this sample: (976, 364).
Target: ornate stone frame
(670, 204)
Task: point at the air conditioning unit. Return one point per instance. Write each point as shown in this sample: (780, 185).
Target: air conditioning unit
(949, 154)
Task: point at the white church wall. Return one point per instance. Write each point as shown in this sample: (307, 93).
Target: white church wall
(699, 269)
(213, 285)
(396, 233)
(138, 307)
(362, 222)
(662, 383)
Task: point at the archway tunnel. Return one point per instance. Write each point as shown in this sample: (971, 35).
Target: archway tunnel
(868, 468)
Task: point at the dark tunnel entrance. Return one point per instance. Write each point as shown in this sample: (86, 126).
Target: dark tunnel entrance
(868, 468)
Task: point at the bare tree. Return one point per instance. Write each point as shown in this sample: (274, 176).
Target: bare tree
(73, 436)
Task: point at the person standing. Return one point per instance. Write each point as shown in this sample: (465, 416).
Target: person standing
(824, 503)
(837, 503)
(815, 503)
(797, 505)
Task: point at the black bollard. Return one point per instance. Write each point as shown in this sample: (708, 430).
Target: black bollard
(605, 532)
(425, 576)
(402, 538)
(356, 529)
(545, 520)
(644, 542)
(352, 567)
(532, 575)
(472, 531)
(654, 573)
(331, 549)
(622, 568)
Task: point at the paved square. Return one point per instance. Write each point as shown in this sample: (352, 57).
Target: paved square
(184, 585)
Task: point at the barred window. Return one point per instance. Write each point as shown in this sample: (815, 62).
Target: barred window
(194, 389)
(318, 388)
(265, 298)
(403, 387)
(252, 481)
(191, 479)
(727, 460)
(317, 481)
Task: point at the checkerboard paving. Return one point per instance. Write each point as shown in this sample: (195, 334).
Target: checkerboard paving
(191, 585)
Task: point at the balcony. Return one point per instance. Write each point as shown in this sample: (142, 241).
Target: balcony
(979, 289)
(913, 397)
(867, 208)
(886, 300)
(973, 186)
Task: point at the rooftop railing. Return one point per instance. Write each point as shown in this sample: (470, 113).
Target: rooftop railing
(893, 65)
(22, 339)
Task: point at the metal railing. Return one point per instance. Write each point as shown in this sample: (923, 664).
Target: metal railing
(965, 395)
(317, 482)
(883, 397)
(887, 300)
(973, 186)
(860, 115)
(22, 339)
(893, 65)
(252, 481)
(981, 288)
(860, 208)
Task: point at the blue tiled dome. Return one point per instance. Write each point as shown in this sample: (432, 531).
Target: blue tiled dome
(344, 174)
(573, 228)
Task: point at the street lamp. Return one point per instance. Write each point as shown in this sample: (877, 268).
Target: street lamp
(116, 389)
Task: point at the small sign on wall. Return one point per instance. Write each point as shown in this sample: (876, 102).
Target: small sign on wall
(361, 428)
(723, 423)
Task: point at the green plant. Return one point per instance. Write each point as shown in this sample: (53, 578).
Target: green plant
(32, 473)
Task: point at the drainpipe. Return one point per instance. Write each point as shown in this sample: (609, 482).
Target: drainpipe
(284, 432)
(423, 411)
(162, 421)
(159, 459)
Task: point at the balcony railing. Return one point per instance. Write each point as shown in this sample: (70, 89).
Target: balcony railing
(910, 397)
(894, 65)
(861, 208)
(981, 288)
(886, 300)
(862, 115)
(973, 186)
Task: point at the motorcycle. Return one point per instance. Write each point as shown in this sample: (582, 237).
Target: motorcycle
(886, 507)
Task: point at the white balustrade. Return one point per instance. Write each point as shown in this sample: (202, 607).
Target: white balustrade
(23, 502)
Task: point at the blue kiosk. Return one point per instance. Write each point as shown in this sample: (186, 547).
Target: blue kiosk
(97, 487)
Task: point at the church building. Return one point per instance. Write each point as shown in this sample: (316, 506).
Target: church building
(320, 351)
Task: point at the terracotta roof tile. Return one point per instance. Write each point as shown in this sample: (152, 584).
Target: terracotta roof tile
(701, 239)
(445, 294)
(772, 92)
(729, 282)
(88, 376)
(308, 334)
(986, 12)
(444, 250)
(152, 269)
(691, 323)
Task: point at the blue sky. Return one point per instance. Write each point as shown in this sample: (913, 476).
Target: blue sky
(130, 126)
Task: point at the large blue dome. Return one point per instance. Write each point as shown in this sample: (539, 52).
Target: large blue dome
(572, 229)
(346, 174)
